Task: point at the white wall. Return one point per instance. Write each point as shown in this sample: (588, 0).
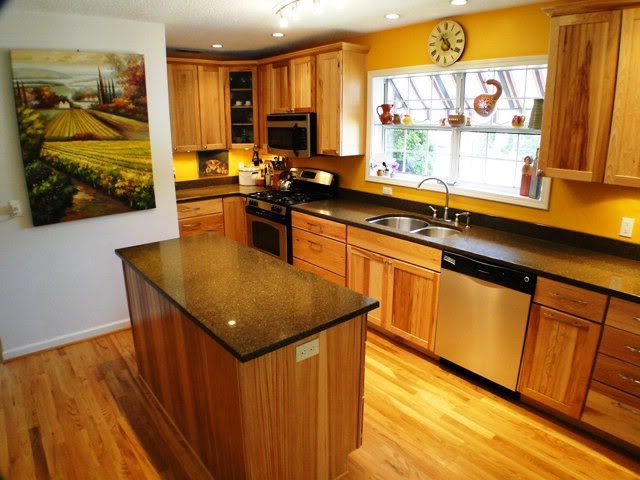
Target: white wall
(62, 282)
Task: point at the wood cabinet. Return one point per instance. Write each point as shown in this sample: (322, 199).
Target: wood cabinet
(202, 216)
(558, 356)
(623, 162)
(591, 119)
(196, 101)
(241, 90)
(235, 219)
(341, 102)
(292, 85)
(407, 292)
(367, 274)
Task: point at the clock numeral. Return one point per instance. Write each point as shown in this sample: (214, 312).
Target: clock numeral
(459, 40)
(433, 53)
(438, 58)
(457, 50)
(446, 25)
(434, 36)
(438, 27)
(432, 44)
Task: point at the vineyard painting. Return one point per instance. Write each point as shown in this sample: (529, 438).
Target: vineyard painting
(84, 133)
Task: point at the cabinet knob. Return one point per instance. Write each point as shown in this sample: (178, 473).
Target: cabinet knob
(204, 147)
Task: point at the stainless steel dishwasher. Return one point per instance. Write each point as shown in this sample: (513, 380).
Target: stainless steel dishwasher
(483, 311)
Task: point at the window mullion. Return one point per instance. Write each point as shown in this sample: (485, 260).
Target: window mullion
(454, 167)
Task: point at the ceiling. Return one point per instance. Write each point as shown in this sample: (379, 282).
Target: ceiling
(244, 27)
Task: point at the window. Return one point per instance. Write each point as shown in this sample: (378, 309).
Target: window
(483, 159)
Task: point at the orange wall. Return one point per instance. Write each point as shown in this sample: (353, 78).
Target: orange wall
(520, 31)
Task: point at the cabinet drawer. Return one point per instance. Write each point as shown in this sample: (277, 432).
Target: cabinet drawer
(201, 207)
(620, 344)
(320, 251)
(570, 299)
(389, 246)
(319, 226)
(624, 315)
(321, 272)
(202, 224)
(613, 411)
(617, 373)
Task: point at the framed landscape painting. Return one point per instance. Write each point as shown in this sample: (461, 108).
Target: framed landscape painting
(84, 134)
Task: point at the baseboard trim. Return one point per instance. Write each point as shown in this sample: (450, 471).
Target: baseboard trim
(66, 339)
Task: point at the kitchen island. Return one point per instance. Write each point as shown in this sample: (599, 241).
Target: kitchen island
(225, 339)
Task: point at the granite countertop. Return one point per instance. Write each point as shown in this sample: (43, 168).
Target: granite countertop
(250, 302)
(610, 274)
(214, 191)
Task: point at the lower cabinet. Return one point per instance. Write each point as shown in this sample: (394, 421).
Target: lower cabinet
(558, 357)
(407, 293)
(235, 219)
(220, 216)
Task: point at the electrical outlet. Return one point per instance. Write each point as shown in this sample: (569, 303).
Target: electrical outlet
(626, 227)
(387, 191)
(15, 209)
(307, 350)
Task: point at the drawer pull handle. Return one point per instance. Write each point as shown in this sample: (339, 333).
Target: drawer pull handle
(191, 225)
(637, 319)
(189, 209)
(632, 349)
(625, 407)
(314, 246)
(562, 297)
(570, 322)
(629, 379)
(312, 226)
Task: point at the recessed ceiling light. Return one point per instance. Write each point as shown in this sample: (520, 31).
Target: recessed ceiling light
(392, 16)
(277, 35)
(458, 2)
(216, 45)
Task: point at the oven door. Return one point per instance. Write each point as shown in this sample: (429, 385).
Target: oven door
(268, 235)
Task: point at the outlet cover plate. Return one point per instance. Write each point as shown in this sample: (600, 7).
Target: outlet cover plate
(307, 350)
(626, 227)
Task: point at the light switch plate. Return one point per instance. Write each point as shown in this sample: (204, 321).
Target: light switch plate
(307, 350)
(626, 227)
(387, 191)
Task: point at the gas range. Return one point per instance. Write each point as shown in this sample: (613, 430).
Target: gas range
(307, 185)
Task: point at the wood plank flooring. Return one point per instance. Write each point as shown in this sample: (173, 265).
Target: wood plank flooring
(79, 412)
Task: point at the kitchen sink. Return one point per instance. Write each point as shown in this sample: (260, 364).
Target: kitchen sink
(437, 232)
(399, 222)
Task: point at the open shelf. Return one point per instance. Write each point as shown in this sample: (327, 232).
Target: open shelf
(472, 128)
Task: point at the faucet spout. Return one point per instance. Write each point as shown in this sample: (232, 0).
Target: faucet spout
(445, 215)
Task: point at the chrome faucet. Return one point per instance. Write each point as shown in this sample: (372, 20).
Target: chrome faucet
(445, 215)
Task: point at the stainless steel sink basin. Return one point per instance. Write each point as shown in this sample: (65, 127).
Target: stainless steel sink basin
(437, 232)
(399, 222)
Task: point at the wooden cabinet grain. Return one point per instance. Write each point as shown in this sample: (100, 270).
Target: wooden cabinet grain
(279, 94)
(197, 111)
(558, 356)
(367, 274)
(340, 101)
(623, 161)
(235, 219)
(583, 57)
(303, 84)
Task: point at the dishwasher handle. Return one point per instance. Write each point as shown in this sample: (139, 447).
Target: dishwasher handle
(514, 279)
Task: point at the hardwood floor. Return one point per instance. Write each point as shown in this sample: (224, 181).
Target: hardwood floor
(79, 412)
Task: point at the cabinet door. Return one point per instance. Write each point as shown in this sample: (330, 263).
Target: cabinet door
(235, 219)
(303, 84)
(413, 301)
(367, 274)
(213, 124)
(559, 353)
(279, 95)
(264, 103)
(329, 102)
(623, 163)
(583, 58)
(184, 107)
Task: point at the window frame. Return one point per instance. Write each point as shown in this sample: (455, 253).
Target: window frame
(483, 192)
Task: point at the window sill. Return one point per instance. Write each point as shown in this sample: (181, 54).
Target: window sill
(484, 192)
(463, 128)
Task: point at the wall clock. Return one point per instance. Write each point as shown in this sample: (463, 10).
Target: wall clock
(446, 43)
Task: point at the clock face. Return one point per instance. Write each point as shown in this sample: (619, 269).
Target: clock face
(446, 43)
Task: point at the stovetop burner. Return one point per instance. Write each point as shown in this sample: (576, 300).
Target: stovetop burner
(287, 198)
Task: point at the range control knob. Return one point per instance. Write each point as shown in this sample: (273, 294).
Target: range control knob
(253, 203)
(526, 279)
(276, 209)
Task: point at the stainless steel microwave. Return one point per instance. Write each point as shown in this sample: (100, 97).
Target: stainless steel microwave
(292, 134)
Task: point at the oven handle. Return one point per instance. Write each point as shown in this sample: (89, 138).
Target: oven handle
(266, 215)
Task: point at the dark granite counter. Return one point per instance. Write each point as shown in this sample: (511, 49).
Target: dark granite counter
(249, 302)
(591, 269)
(214, 191)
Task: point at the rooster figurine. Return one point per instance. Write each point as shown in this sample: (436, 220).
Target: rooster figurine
(485, 104)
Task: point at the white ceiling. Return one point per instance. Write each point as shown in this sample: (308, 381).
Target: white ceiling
(244, 27)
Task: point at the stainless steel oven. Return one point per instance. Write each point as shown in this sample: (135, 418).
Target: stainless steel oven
(268, 233)
(292, 134)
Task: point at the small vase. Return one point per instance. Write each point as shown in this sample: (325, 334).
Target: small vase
(535, 119)
(385, 115)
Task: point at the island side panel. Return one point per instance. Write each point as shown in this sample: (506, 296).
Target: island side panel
(302, 419)
(193, 378)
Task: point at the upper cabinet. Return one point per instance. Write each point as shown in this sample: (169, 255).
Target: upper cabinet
(292, 85)
(242, 106)
(591, 120)
(341, 102)
(196, 96)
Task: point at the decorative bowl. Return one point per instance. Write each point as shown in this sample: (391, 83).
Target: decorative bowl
(456, 120)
